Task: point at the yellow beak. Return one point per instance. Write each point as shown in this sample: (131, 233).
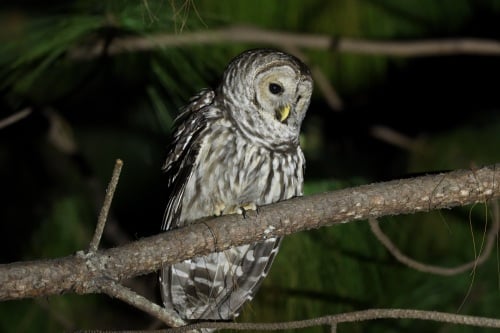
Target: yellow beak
(283, 113)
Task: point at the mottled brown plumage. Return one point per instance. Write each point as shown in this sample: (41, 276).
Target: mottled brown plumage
(234, 148)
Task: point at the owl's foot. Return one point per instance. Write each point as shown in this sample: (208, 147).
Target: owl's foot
(221, 209)
(245, 208)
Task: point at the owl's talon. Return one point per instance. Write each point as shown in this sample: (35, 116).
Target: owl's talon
(246, 207)
(219, 209)
(249, 206)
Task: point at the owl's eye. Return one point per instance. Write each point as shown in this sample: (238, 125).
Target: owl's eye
(275, 88)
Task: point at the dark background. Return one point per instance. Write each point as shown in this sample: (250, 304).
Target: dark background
(85, 113)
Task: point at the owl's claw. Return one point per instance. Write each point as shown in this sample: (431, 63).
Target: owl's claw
(219, 209)
(249, 206)
(245, 208)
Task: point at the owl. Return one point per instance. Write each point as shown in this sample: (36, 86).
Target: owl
(234, 149)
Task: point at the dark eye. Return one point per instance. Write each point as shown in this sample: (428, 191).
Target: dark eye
(275, 89)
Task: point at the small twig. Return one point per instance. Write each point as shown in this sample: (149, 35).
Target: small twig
(60, 133)
(402, 258)
(390, 136)
(333, 321)
(103, 215)
(113, 288)
(332, 98)
(348, 317)
(128, 296)
(15, 117)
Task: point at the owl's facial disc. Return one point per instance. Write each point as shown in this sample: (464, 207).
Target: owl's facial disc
(276, 92)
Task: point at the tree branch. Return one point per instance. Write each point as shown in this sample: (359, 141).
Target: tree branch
(348, 317)
(246, 34)
(126, 295)
(491, 240)
(19, 115)
(331, 320)
(83, 273)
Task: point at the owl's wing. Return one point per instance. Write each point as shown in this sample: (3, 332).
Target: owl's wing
(182, 152)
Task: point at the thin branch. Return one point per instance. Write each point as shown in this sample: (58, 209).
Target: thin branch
(128, 296)
(348, 317)
(328, 91)
(15, 117)
(245, 34)
(103, 215)
(390, 136)
(83, 273)
(438, 270)
(112, 288)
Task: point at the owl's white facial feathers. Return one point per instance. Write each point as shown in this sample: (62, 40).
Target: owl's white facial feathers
(274, 90)
(281, 99)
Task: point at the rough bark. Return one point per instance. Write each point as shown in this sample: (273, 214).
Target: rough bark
(85, 272)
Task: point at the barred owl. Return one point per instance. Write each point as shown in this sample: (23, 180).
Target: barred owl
(234, 148)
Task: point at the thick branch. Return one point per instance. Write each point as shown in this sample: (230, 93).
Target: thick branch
(81, 273)
(239, 34)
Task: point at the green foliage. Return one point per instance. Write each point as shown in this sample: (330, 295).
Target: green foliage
(25, 62)
(65, 227)
(459, 147)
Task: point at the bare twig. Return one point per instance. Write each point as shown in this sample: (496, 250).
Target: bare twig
(103, 215)
(15, 117)
(60, 133)
(348, 317)
(245, 34)
(390, 136)
(112, 288)
(438, 270)
(332, 321)
(329, 92)
(82, 273)
(126, 295)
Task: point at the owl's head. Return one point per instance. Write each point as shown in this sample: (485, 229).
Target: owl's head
(269, 89)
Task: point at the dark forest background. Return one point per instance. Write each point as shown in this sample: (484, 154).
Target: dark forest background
(84, 113)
